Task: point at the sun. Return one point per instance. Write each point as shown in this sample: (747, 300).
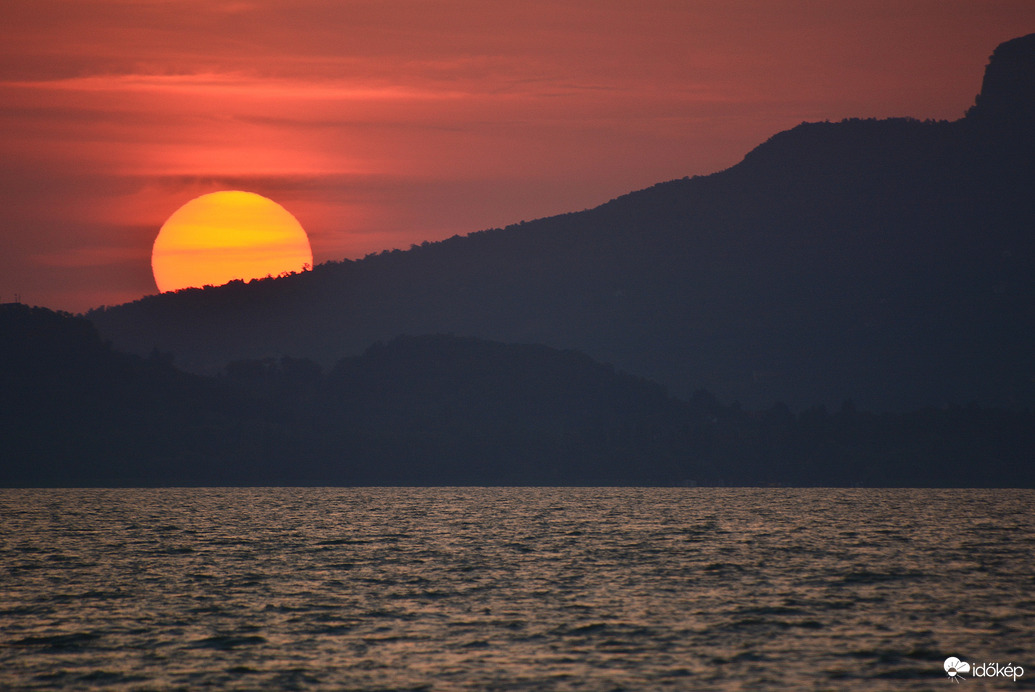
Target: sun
(222, 236)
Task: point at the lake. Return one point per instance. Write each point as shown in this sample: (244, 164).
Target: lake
(514, 588)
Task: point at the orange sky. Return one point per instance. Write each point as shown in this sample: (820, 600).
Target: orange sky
(383, 123)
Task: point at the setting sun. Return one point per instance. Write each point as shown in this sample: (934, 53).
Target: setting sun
(222, 236)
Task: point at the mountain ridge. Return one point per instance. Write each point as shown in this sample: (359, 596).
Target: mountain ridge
(889, 261)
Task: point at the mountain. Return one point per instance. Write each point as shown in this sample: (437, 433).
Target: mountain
(418, 410)
(74, 411)
(445, 410)
(887, 261)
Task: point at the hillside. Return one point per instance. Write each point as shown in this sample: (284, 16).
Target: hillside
(74, 411)
(418, 410)
(444, 410)
(891, 262)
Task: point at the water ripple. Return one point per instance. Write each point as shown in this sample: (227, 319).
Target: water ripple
(510, 588)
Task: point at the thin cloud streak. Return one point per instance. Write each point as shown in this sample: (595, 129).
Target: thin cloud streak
(230, 86)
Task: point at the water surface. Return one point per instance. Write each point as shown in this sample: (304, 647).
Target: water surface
(513, 588)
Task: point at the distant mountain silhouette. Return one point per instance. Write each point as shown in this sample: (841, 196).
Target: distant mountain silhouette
(889, 261)
(443, 410)
(75, 412)
(1008, 89)
(418, 410)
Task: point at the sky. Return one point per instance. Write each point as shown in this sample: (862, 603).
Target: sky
(384, 123)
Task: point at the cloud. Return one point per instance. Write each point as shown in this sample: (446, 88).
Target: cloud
(229, 86)
(90, 257)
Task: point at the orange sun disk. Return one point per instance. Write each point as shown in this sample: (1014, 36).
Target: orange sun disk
(222, 236)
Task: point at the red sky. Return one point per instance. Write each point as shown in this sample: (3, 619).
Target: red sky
(383, 123)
